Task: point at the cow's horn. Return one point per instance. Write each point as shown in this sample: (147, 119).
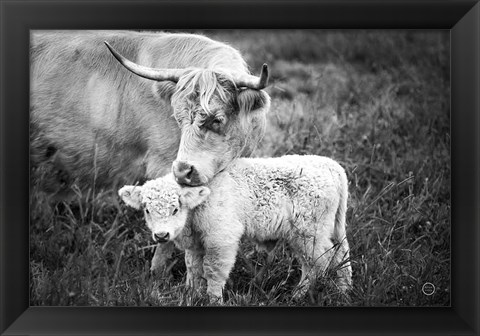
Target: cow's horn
(146, 72)
(254, 82)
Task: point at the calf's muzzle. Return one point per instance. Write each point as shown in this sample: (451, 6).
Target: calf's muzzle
(162, 237)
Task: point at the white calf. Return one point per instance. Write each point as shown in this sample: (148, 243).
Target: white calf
(300, 200)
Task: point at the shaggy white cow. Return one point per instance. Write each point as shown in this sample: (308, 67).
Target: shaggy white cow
(300, 200)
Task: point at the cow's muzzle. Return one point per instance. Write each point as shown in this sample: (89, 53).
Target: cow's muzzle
(186, 174)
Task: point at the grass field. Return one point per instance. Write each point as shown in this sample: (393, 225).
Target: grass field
(377, 102)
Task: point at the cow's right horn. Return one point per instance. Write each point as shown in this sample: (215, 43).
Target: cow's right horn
(254, 82)
(146, 72)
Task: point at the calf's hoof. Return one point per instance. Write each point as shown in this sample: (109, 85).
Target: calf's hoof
(299, 293)
(215, 299)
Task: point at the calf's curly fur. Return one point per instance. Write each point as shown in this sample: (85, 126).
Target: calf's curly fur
(299, 200)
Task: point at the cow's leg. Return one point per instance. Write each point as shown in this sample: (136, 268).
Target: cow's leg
(217, 264)
(194, 263)
(163, 252)
(315, 254)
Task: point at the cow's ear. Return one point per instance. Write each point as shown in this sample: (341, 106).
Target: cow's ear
(191, 197)
(251, 100)
(164, 89)
(132, 196)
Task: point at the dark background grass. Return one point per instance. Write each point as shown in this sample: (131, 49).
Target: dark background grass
(376, 101)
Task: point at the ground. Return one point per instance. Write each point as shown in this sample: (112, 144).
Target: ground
(378, 102)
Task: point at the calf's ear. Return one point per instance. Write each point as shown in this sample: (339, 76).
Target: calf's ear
(191, 197)
(131, 195)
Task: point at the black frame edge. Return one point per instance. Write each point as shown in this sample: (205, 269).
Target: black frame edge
(465, 37)
(17, 318)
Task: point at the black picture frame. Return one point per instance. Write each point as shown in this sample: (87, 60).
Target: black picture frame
(18, 17)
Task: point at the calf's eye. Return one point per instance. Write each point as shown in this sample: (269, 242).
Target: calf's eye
(174, 212)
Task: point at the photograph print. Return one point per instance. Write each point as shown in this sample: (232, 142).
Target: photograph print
(240, 168)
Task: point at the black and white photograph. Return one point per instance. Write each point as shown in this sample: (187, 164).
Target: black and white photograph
(240, 168)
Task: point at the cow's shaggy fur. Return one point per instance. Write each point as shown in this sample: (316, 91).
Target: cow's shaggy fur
(300, 200)
(95, 124)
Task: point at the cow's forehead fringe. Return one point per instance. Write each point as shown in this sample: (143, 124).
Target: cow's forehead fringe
(205, 83)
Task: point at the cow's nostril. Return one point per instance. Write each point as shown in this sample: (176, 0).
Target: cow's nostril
(188, 176)
(185, 173)
(162, 236)
(186, 170)
(181, 169)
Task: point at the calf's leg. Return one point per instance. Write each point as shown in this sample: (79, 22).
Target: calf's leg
(194, 263)
(315, 255)
(163, 252)
(344, 268)
(217, 264)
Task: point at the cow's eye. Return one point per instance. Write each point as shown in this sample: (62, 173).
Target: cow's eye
(174, 212)
(216, 124)
(147, 212)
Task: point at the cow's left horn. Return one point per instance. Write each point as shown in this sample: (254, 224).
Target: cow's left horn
(146, 72)
(254, 82)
